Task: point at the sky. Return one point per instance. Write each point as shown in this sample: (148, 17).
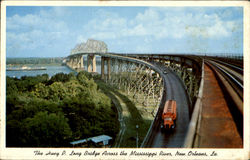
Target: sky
(37, 31)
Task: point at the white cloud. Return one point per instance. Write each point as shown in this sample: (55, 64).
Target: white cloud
(33, 31)
(48, 26)
(174, 25)
(138, 30)
(150, 15)
(160, 23)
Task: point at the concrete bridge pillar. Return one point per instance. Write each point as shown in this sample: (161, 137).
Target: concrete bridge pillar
(81, 63)
(91, 63)
(74, 63)
(94, 64)
(102, 67)
(70, 63)
(108, 68)
(108, 64)
(78, 62)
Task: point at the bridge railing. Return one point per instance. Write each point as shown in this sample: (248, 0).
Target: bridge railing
(195, 120)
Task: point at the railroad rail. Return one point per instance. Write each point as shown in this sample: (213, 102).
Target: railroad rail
(229, 115)
(238, 69)
(233, 83)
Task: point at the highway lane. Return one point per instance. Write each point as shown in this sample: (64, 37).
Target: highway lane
(174, 90)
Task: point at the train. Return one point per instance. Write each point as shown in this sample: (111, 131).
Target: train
(169, 115)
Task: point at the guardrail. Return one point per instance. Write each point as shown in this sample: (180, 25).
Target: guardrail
(195, 120)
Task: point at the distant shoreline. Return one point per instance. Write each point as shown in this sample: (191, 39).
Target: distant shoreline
(25, 68)
(34, 65)
(34, 61)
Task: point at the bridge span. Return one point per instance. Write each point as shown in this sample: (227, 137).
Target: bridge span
(179, 77)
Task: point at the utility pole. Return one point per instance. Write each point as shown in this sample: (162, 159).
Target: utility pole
(137, 126)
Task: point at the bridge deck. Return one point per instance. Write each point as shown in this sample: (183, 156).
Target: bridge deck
(218, 129)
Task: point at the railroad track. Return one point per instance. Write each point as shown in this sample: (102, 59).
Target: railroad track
(232, 85)
(236, 65)
(235, 79)
(236, 68)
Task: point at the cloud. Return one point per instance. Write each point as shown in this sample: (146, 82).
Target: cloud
(150, 15)
(175, 25)
(61, 27)
(163, 23)
(34, 31)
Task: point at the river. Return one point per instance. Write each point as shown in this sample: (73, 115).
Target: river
(50, 70)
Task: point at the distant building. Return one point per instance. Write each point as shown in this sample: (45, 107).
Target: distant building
(98, 141)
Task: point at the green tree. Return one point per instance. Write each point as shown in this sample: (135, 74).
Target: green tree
(48, 130)
(53, 112)
(40, 90)
(62, 77)
(57, 91)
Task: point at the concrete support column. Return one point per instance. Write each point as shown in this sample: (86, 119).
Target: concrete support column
(71, 63)
(94, 63)
(81, 63)
(102, 67)
(91, 63)
(108, 68)
(74, 63)
(68, 62)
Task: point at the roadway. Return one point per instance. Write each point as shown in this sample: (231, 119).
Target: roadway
(174, 89)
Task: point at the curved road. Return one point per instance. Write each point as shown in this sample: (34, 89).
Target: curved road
(174, 90)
